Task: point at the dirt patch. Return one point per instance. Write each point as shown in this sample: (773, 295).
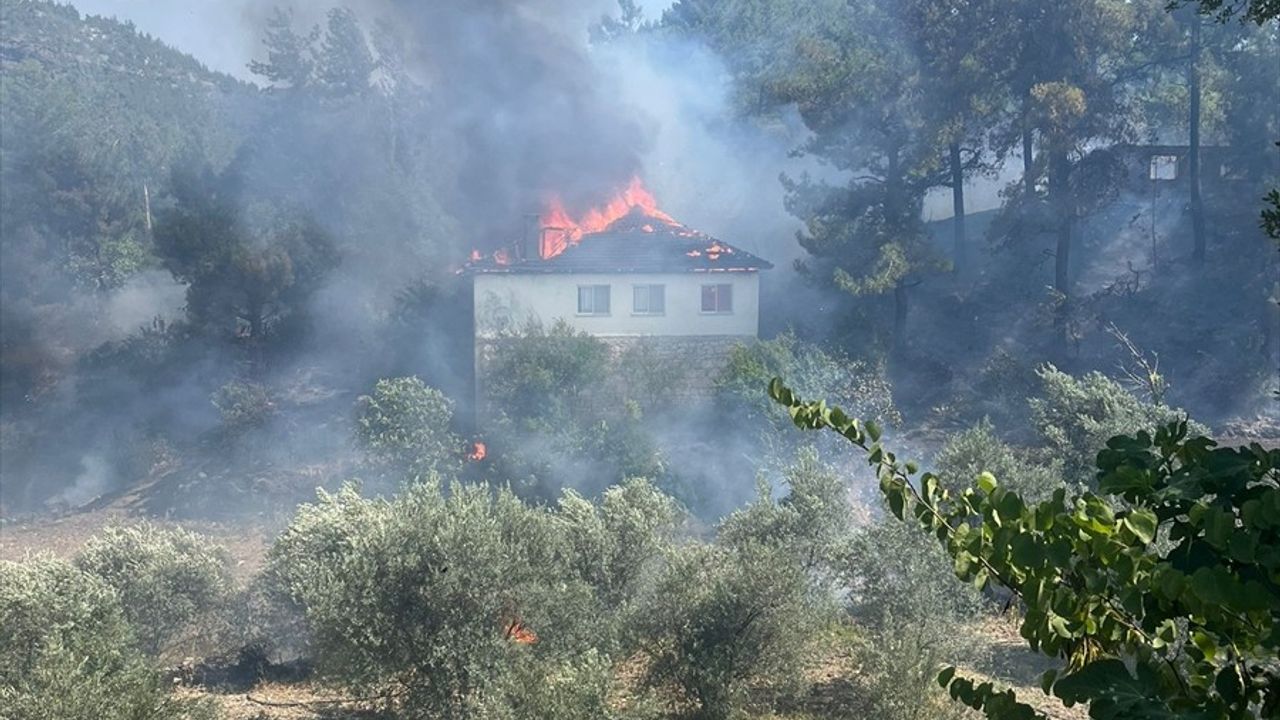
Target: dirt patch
(64, 535)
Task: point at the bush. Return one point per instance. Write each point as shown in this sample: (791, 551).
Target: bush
(967, 454)
(726, 620)
(1076, 416)
(911, 611)
(436, 596)
(615, 545)
(745, 612)
(404, 427)
(811, 523)
(543, 374)
(860, 386)
(165, 578)
(67, 652)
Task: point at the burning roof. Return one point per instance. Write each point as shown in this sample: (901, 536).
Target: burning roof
(627, 235)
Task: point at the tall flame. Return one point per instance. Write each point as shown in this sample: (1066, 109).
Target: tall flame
(560, 229)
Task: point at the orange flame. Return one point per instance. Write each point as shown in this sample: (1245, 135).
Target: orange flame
(478, 451)
(560, 229)
(517, 632)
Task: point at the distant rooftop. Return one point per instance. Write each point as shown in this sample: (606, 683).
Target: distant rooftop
(635, 243)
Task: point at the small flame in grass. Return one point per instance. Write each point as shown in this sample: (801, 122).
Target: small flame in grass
(517, 632)
(478, 451)
(560, 229)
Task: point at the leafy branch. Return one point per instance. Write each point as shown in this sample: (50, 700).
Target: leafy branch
(1183, 627)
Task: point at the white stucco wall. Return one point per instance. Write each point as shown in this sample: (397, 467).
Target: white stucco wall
(510, 300)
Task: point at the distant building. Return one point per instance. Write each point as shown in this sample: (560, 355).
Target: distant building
(1222, 168)
(643, 279)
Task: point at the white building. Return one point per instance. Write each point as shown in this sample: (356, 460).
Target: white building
(643, 279)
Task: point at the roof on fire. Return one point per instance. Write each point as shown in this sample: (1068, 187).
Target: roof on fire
(633, 244)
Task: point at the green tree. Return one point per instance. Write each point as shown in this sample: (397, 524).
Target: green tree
(165, 578)
(1160, 595)
(290, 59)
(724, 619)
(853, 383)
(404, 426)
(979, 449)
(1259, 11)
(68, 653)
(248, 263)
(344, 63)
(444, 601)
(1076, 416)
(912, 616)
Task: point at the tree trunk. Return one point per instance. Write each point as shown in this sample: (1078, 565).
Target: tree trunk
(1193, 153)
(957, 205)
(899, 315)
(1028, 150)
(1059, 197)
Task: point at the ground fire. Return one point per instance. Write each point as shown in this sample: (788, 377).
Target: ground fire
(478, 451)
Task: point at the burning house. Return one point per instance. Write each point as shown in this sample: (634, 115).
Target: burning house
(626, 273)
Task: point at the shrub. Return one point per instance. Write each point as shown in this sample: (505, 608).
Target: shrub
(911, 611)
(541, 374)
(855, 384)
(430, 594)
(1076, 416)
(744, 612)
(811, 523)
(165, 578)
(968, 453)
(615, 545)
(67, 652)
(725, 620)
(404, 427)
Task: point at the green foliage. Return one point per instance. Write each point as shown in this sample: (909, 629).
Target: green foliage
(724, 620)
(747, 610)
(1259, 11)
(1271, 215)
(810, 523)
(855, 384)
(404, 426)
(165, 578)
(1165, 605)
(428, 596)
(344, 63)
(289, 62)
(249, 263)
(912, 615)
(67, 652)
(540, 374)
(616, 542)
(1076, 416)
(978, 449)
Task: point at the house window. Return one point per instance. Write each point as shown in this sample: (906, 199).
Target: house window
(717, 298)
(649, 299)
(1164, 167)
(593, 299)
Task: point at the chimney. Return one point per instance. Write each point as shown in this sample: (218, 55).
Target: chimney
(530, 245)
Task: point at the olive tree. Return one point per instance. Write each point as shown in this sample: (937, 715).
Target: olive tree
(164, 577)
(67, 651)
(403, 425)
